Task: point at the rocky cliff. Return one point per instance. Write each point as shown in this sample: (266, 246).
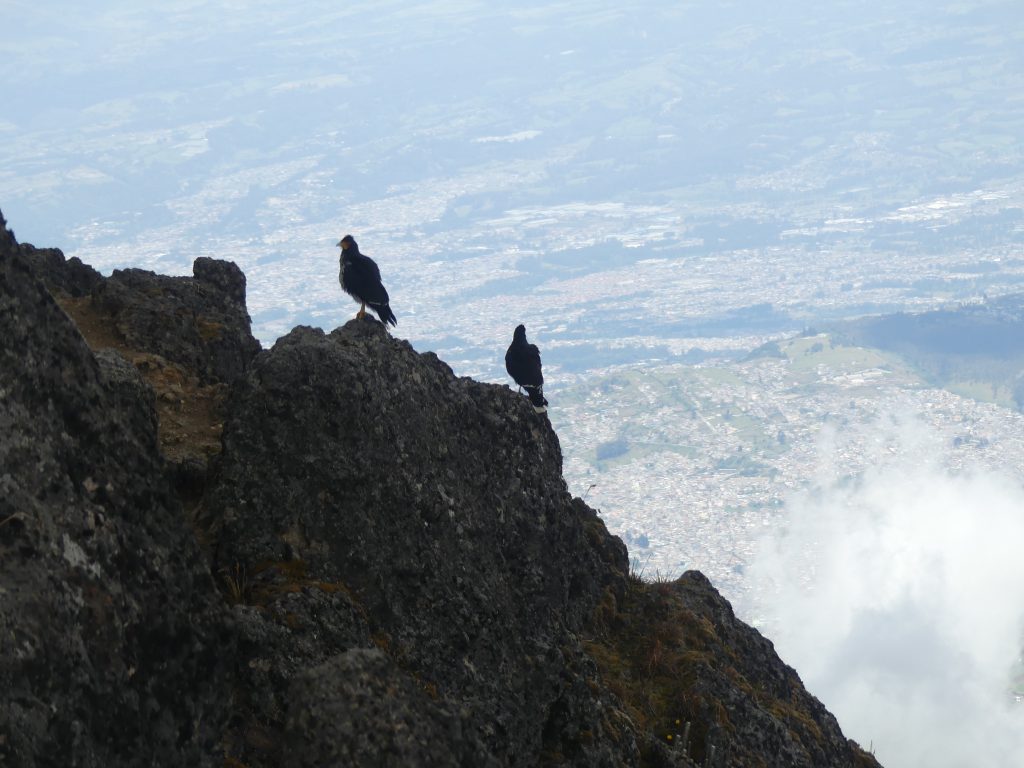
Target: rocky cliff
(113, 642)
(333, 552)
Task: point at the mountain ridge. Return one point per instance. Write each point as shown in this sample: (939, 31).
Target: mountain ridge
(376, 562)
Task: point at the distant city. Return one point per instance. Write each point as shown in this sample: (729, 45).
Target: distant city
(692, 463)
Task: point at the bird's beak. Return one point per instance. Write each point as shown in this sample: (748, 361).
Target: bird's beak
(338, 244)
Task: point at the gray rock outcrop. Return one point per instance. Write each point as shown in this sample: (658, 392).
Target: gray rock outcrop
(437, 503)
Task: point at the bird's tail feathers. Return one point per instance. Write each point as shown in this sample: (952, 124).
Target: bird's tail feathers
(385, 314)
(536, 394)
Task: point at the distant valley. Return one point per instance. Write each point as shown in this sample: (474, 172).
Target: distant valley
(693, 462)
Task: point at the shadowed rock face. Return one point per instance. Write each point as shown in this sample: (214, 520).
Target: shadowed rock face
(67, 276)
(198, 322)
(188, 336)
(437, 503)
(112, 639)
(351, 701)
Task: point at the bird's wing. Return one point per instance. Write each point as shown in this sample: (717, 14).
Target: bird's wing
(532, 358)
(366, 281)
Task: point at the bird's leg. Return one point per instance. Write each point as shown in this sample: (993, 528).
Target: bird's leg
(362, 311)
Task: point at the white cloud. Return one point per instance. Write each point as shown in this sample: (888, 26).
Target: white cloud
(510, 138)
(898, 596)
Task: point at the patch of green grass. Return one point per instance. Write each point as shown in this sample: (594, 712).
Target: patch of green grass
(809, 352)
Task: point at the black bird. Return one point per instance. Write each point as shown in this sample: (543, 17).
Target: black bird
(522, 361)
(360, 279)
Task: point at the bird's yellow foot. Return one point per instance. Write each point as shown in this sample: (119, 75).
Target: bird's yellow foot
(361, 313)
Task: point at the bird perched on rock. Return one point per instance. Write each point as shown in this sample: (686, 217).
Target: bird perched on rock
(522, 361)
(360, 279)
